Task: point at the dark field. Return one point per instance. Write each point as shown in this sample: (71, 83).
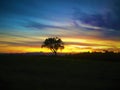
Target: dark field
(77, 72)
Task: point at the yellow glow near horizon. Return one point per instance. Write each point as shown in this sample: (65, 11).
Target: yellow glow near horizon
(72, 45)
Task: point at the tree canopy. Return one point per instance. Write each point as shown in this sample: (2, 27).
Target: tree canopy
(53, 44)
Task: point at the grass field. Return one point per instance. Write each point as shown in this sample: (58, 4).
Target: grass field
(27, 72)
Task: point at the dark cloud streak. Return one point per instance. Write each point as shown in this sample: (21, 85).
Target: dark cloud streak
(104, 20)
(42, 26)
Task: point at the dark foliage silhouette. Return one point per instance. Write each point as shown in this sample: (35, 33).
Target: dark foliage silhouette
(53, 44)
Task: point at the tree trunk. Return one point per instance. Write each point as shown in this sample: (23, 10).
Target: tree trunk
(55, 53)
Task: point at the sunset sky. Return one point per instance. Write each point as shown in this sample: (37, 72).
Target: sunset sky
(83, 25)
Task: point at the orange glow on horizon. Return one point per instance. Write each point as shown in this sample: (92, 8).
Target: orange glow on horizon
(72, 45)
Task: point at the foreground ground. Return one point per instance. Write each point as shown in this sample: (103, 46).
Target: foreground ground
(26, 72)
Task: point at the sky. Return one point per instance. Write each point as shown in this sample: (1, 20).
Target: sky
(83, 25)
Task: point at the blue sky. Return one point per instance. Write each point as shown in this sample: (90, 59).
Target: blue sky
(31, 19)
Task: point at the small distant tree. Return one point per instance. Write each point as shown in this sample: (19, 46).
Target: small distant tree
(53, 44)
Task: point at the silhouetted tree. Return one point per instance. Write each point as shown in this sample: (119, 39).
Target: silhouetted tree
(53, 44)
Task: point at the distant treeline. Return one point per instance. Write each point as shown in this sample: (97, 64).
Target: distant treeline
(107, 56)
